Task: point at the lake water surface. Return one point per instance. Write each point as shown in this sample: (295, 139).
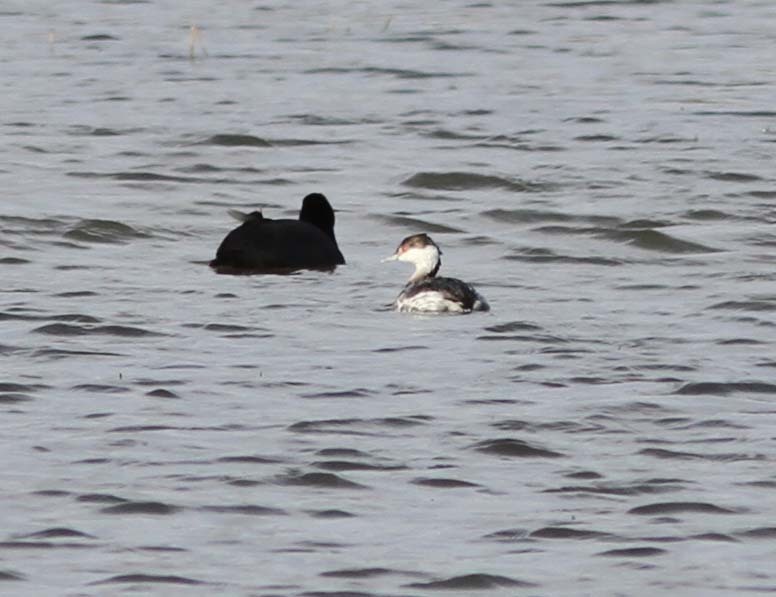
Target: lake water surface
(602, 171)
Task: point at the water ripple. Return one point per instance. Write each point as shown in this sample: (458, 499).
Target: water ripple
(103, 231)
(466, 181)
(725, 388)
(680, 508)
(322, 480)
(144, 579)
(472, 582)
(141, 508)
(634, 552)
(236, 140)
(514, 448)
(568, 533)
(122, 331)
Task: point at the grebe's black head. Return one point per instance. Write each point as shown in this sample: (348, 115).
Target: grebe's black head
(317, 211)
(416, 241)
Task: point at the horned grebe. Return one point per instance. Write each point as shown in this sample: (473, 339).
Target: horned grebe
(260, 244)
(425, 292)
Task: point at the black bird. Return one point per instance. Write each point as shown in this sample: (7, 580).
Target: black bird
(263, 245)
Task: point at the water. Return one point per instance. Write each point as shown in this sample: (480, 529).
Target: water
(601, 171)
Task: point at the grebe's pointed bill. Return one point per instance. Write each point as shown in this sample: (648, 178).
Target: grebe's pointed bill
(404, 246)
(397, 254)
(400, 253)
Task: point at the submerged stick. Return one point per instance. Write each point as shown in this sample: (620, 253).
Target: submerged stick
(195, 38)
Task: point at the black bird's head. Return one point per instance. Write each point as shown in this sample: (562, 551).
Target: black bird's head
(317, 211)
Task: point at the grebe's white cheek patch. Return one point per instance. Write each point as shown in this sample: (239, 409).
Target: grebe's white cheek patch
(411, 254)
(425, 259)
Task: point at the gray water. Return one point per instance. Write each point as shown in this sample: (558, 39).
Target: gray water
(603, 173)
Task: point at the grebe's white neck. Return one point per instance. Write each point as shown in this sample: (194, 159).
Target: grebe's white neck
(422, 252)
(426, 261)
